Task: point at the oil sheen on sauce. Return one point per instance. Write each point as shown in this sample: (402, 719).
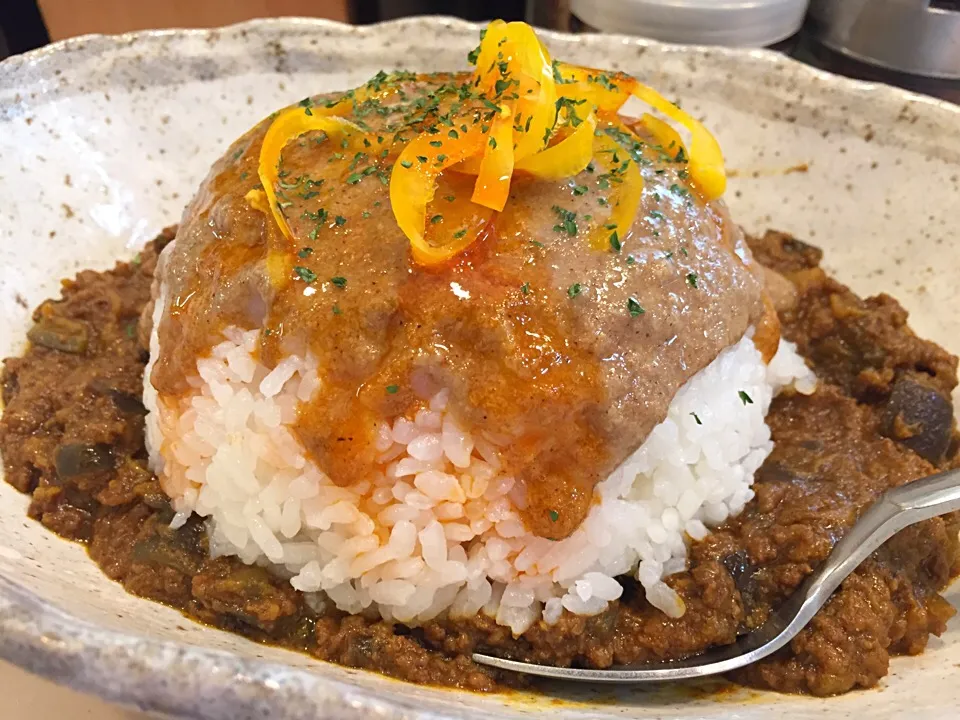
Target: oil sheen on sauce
(572, 353)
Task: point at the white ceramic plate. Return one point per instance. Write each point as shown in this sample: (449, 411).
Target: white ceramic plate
(102, 141)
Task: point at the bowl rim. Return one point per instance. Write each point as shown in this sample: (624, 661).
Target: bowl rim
(49, 641)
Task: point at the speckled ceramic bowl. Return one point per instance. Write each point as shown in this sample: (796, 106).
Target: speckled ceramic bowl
(102, 141)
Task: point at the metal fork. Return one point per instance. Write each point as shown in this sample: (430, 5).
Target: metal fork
(908, 504)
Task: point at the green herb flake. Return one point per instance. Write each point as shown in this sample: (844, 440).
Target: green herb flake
(744, 398)
(554, 516)
(337, 310)
(340, 220)
(568, 221)
(579, 189)
(354, 178)
(692, 279)
(406, 163)
(365, 214)
(635, 307)
(339, 281)
(525, 288)
(492, 143)
(137, 259)
(631, 260)
(305, 252)
(697, 418)
(305, 274)
(393, 389)
(436, 219)
(615, 241)
(574, 290)
(460, 233)
(436, 143)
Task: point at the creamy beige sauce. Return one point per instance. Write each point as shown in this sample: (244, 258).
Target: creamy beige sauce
(575, 378)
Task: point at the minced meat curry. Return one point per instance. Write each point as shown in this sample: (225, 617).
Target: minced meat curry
(72, 436)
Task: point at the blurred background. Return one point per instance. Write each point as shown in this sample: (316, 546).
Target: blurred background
(912, 43)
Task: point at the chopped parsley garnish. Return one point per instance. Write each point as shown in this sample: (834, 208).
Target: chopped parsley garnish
(393, 389)
(137, 259)
(460, 233)
(697, 418)
(744, 398)
(305, 274)
(422, 158)
(574, 290)
(656, 214)
(339, 281)
(354, 178)
(635, 307)
(337, 310)
(493, 143)
(436, 219)
(568, 221)
(340, 220)
(449, 198)
(579, 189)
(365, 214)
(615, 241)
(681, 156)
(692, 279)
(631, 260)
(453, 134)
(554, 516)
(436, 143)
(304, 252)
(525, 288)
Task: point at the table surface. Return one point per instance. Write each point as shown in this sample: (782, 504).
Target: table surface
(29, 697)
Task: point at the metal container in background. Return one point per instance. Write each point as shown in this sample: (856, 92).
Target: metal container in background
(911, 43)
(918, 37)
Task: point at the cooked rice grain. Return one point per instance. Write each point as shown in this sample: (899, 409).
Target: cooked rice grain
(438, 527)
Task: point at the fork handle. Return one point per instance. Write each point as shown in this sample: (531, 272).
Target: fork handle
(914, 502)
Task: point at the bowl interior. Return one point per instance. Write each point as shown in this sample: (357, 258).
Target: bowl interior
(104, 141)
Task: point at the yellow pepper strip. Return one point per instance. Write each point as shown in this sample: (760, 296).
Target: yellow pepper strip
(706, 157)
(257, 199)
(287, 127)
(607, 92)
(664, 134)
(626, 195)
(496, 168)
(414, 183)
(514, 68)
(565, 159)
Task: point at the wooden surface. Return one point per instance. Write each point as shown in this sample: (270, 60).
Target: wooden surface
(66, 18)
(28, 697)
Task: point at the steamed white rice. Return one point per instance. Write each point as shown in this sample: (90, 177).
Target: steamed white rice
(437, 529)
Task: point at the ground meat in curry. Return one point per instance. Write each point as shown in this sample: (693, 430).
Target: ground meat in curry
(72, 436)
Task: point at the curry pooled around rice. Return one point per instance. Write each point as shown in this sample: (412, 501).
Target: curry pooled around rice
(472, 362)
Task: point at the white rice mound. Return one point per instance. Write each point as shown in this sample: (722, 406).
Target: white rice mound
(437, 529)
